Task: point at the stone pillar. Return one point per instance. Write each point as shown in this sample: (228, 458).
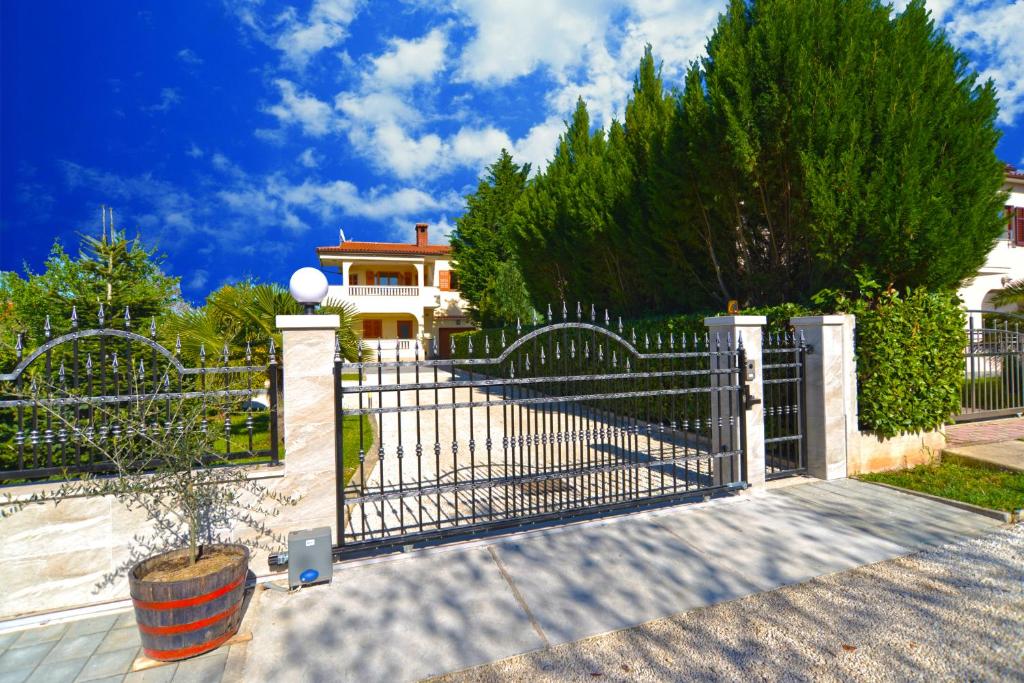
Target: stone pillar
(419, 275)
(308, 364)
(830, 393)
(729, 331)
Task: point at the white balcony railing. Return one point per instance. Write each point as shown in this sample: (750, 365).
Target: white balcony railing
(388, 344)
(385, 290)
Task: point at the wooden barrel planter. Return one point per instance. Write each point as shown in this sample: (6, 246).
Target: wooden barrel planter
(180, 618)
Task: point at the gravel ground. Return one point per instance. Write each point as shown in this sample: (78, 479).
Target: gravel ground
(950, 613)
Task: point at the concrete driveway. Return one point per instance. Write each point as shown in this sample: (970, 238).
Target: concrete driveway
(444, 609)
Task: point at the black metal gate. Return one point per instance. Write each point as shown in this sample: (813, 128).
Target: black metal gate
(533, 425)
(993, 367)
(784, 368)
(67, 399)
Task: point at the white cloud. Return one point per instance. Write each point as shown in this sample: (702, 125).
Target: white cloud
(993, 33)
(409, 61)
(299, 40)
(380, 204)
(515, 37)
(194, 151)
(376, 108)
(168, 98)
(538, 145)
(316, 118)
(326, 26)
(199, 279)
(479, 147)
(189, 57)
(308, 158)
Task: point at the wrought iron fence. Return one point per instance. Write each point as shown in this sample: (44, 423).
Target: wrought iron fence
(784, 364)
(59, 405)
(993, 367)
(560, 419)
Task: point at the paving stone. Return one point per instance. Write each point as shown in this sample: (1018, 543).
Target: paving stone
(91, 625)
(73, 648)
(158, 674)
(16, 676)
(120, 638)
(42, 634)
(7, 639)
(397, 620)
(24, 657)
(585, 581)
(63, 671)
(206, 669)
(106, 664)
(125, 619)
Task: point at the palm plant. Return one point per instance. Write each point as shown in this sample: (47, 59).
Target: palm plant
(239, 314)
(1011, 294)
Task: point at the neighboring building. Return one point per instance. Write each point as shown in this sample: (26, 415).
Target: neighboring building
(403, 292)
(1005, 262)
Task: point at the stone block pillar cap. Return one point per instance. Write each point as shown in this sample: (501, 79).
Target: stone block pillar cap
(308, 322)
(736, 321)
(819, 320)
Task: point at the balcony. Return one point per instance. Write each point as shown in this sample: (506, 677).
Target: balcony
(382, 290)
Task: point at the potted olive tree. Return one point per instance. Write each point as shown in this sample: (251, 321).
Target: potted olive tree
(187, 578)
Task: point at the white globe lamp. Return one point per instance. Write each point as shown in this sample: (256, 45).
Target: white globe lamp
(308, 286)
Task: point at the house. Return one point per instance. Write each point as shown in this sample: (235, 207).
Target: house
(403, 293)
(1005, 263)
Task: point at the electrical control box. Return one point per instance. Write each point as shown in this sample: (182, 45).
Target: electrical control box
(309, 556)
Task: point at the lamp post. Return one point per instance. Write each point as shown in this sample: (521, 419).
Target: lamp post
(308, 286)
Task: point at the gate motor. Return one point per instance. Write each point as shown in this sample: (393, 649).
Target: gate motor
(309, 556)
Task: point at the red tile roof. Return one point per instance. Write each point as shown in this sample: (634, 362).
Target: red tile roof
(1012, 172)
(386, 248)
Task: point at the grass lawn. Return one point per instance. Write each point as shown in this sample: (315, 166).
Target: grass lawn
(350, 444)
(989, 488)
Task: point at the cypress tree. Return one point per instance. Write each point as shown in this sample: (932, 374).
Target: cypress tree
(842, 144)
(485, 261)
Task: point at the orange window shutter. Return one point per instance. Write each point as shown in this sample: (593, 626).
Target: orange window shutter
(371, 278)
(445, 279)
(1019, 235)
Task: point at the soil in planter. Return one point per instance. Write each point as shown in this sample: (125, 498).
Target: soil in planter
(176, 569)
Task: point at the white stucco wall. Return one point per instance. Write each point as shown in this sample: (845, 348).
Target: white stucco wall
(1005, 263)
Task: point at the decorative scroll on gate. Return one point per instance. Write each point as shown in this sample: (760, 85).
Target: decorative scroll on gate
(562, 419)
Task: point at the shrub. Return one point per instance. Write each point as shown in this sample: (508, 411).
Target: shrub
(910, 366)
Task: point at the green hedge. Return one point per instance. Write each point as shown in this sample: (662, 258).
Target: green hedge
(910, 367)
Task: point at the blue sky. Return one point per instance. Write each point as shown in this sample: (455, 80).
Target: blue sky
(238, 136)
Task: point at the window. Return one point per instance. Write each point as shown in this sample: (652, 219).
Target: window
(405, 329)
(353, 279)
(387, 279)
(1015, 226)
(372, 329)
(447, 280)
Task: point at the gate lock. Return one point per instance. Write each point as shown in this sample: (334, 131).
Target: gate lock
(749, 374)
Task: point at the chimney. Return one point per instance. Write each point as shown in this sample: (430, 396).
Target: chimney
(421, 234)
